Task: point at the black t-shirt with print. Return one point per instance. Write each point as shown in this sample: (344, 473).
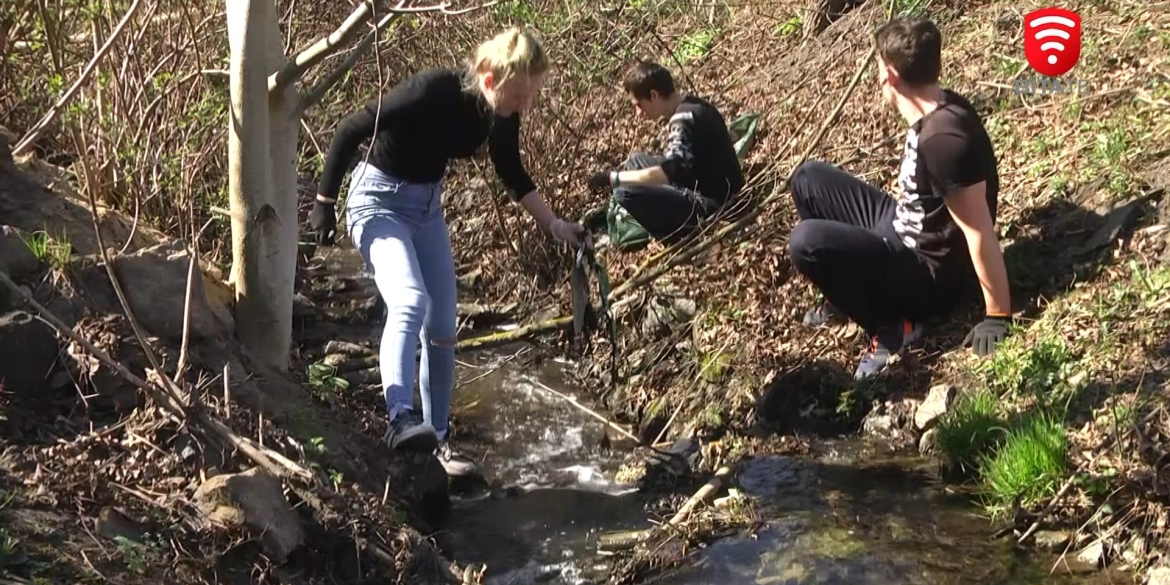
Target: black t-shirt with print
(945, 150)
(699, 154)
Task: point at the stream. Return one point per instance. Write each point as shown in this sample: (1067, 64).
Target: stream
(844, 514)
(840, 515)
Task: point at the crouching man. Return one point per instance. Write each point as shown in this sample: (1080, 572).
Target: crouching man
(698, 171)
(890, 264)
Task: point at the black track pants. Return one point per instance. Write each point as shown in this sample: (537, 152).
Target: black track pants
(667, 212)
(846, 245)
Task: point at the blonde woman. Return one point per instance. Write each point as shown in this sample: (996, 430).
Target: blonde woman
(394, 214)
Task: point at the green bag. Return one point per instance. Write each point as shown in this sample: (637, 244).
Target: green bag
(625, 233)
(743, 132)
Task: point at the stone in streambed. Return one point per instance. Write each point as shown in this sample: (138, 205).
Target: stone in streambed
(937, 402)
(1051, 540)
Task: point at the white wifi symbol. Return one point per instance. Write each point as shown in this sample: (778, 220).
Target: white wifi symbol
(1044, 33)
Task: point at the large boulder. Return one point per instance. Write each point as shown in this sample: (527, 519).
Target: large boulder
(16, 258)
(28, 351)
(253, 499)
(155, 283)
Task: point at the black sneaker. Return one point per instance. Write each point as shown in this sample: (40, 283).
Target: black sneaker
(455, 464)
(822, 315)
(408, 432)
(887, 342)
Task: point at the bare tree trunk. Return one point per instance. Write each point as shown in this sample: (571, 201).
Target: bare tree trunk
(262, 184)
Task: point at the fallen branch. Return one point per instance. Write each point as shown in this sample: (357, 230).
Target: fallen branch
(628, 539)
(702, 496)
(513, 335)
(90, 67)
(587, 410)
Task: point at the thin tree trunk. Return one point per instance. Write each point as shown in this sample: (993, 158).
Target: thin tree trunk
(256, 228)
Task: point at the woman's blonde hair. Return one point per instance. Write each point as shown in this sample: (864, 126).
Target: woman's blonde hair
(514, 52)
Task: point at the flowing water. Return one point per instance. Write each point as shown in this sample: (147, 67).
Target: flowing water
(842, 515)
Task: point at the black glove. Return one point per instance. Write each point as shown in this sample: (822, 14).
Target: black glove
(600, 181)
(986, 335)
(323, 220)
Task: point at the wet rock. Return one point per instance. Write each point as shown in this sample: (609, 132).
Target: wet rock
(16, 258)
(938, 400)
(1088, 559)
(28, 350)
(770, 477)
(926, 443)
(112, 523)
(1158, 576)
(253, 499)
(155, 282)
(1051, 540)
(892, 422)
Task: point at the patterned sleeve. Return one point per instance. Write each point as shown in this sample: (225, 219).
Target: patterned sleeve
(679, 152)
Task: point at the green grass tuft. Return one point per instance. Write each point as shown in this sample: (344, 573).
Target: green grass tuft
(1029, 466)
(969, 430)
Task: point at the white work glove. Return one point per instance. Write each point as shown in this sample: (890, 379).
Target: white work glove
(568, 232)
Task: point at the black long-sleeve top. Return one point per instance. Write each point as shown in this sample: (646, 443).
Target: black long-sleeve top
(421, 124)
(699, 153)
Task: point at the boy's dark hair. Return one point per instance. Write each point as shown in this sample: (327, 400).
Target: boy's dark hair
(913, 47)
(645, 76)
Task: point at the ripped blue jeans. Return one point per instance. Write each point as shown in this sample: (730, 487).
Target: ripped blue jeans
(399, 229)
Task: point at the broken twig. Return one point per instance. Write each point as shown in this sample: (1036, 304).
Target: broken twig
(587, 410)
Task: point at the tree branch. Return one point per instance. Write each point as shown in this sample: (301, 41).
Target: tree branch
(334, 77)
(328, 45)
(85, 74)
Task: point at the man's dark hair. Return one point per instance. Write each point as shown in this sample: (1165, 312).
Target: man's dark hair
(645, 76)
(913, 47)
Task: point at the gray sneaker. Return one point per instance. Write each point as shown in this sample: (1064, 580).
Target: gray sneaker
(822, 315)
(455, 464)
(408, 432)
(886, 343)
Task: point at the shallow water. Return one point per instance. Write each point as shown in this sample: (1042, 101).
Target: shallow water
(552, 488)
(843, 516)
(865, 520)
